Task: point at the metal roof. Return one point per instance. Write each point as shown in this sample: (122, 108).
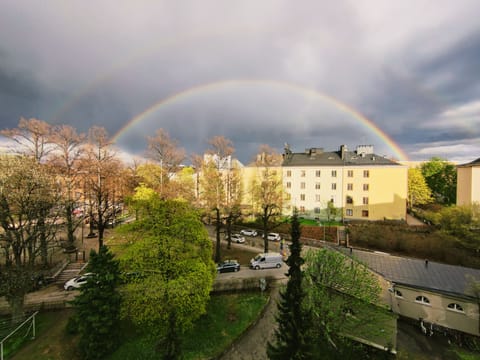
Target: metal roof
(334, 158)
(429, 275)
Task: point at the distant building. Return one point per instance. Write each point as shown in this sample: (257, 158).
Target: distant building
(468, 183)
(363, 185)
(434, 293)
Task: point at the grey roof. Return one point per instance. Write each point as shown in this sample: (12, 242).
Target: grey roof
(472, 163)
(318, 157)
(443, 278)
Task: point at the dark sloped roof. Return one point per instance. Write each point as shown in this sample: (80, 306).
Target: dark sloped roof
(334, 158)
(472, 163)
(443, 278)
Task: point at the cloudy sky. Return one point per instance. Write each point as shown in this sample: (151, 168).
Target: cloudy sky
(400, 75)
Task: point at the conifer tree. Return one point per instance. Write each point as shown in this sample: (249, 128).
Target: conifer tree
(98, 307)
(291, 336)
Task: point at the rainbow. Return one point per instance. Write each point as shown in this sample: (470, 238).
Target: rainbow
(369, 124)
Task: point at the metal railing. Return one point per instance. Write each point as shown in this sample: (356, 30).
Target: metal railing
(32, 326)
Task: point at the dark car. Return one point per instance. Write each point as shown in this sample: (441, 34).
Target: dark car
(228, 266)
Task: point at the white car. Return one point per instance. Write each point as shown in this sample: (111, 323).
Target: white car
(77, 282)
(238, 238)
(274, 237)
(248, 232)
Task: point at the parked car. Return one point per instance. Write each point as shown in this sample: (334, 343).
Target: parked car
(274, 237)
(238, 238)
(77, 282)
(228, 266)
(248, 232)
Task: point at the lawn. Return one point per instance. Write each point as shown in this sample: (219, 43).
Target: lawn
(227, 317)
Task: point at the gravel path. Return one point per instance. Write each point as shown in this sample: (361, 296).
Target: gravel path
(253, 344)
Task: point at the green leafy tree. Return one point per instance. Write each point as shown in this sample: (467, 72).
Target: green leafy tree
(441, 177)
(418, 191)
(172, 256)
(28, 191)
(337, 287)
(294, 322)
(98, 307)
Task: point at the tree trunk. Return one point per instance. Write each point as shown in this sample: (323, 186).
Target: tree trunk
(265, 229)
(217, 231)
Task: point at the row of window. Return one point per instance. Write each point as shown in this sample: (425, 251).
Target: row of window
(303, 185)
(333, 173)
(421, 299)
(349, 212)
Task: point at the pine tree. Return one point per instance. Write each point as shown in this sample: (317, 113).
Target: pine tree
(98, 307)
(293, 321)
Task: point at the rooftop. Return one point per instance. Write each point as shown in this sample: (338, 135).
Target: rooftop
(363, 155)
(428, 275)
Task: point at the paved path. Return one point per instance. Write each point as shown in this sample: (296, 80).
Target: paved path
(253, 344)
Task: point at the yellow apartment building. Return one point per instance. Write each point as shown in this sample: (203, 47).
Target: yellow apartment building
(363, 185)
(468, 183)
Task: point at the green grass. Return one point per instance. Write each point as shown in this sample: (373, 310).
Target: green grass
(226, 318)
(51, 341)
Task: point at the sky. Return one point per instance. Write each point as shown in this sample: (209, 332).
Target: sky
(402, 76)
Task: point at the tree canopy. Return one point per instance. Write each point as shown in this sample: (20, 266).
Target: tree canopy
(418, 191)
(441, 177)
(173, 271)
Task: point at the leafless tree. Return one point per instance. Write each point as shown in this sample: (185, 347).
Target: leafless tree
(267, 189)
(68, 148)
(165, 151)
(32, 136)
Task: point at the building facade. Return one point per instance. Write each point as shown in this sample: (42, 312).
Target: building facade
(360, 184)
(468, 183)
(435, 294)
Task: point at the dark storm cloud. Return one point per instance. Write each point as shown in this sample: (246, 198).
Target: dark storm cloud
(411, 67)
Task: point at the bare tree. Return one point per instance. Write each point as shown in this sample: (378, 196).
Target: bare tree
(102, 169)
(166, 152)
(267, 189)
(33, 137)
(68, 149)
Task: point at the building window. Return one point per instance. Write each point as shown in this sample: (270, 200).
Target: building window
(364, 213)
(317, 186)
(302, 197)
(334, 186)
(289, 173)
(350, 187)
(302, 173)
(289, 184)
(317, 173)
(365, 201)
(302, 209)
(334, 173)
(366, 173)
(398, 294)
(365, 187)
(317, 210)
(288, 196)
(302, 185)
(350, 173)
(422, 300)
(455, 307)
(348, 212)
(349, 200)
(317, 198)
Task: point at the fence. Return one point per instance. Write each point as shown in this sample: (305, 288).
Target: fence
(31, 320)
